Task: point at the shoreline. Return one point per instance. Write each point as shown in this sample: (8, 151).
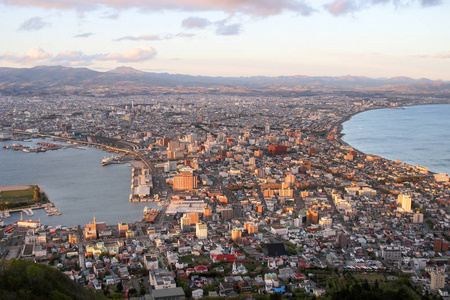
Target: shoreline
(339, 127)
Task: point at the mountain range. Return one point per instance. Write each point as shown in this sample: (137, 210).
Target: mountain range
(126, 80)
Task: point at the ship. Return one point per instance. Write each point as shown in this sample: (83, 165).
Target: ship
(111, 160)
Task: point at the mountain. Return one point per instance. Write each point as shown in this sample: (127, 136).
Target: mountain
(125, 70)
(126, 80)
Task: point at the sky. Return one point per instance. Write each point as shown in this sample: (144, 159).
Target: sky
(373, 38)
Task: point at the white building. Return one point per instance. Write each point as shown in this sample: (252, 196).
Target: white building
(201, 230)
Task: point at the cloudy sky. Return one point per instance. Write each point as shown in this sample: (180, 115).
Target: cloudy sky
(375, 38)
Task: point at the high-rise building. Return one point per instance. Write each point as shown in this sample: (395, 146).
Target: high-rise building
(185, 223)
(437, 280)
(226, 214)
(193, 216)
(312, 216)
(404, 201)
(251, 227)
(206, 213)
(418, 218)
(236, 235)
(201, 230)
(290, 179)
(185, 180)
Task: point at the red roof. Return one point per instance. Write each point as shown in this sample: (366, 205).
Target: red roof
(201, 268)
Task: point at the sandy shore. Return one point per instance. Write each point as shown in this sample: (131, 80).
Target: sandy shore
(14, 188)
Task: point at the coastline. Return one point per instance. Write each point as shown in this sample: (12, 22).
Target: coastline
(339, 135)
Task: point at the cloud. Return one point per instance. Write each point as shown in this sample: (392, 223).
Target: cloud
(154, 37)
(33, 55)
(133, 55)
(442, 55)
(248, 7)
(33, 24)
(427, 3)
(195, 23)
(78, 58)
(232, 29)
(83, 35)
(343, 7)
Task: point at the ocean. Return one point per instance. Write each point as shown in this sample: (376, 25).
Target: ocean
(75, 182)
(416, 135)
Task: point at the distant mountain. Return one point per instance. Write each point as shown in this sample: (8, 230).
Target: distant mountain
(126, 80)
(125, 70)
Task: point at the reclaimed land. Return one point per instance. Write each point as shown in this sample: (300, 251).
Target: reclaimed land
(23, 196)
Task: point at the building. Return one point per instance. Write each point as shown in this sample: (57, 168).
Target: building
(391, 253)
(312, 216)
(325, 222)
(441, 245)
(201, 230)
(437, 280)
(161, 279)
(185, 223)
(206, 213)
(418, 218)
(236, 235)
(251, 227)
(226, 214)
(193, 217)
(185, 180)
(92, 230)
(123, 228)
(277, 149)
(404, 201)
(176, 293)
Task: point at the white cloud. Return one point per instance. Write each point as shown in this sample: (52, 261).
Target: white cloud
(154, 37)
(34, 55)
(77, 58)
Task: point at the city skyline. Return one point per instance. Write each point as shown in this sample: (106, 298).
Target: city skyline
(232, 38)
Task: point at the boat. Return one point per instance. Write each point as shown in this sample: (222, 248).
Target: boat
(111, 160)
(146, 210)
(6, 214)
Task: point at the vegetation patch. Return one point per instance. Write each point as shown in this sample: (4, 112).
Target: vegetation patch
(22, 198)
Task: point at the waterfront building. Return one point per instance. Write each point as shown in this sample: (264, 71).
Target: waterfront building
(123, 228)
(91, 230)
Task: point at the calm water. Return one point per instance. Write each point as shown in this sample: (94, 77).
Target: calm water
(417, 135)
(75, 181)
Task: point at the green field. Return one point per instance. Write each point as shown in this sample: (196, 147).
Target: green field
(22, 198)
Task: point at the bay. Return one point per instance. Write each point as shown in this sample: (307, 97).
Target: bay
(75, 181)
(417, 135)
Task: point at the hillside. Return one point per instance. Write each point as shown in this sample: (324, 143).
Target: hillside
(23, 280)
